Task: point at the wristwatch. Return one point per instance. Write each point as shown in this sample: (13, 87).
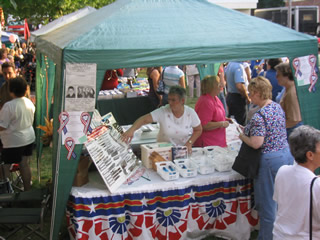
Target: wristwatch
(190, 142)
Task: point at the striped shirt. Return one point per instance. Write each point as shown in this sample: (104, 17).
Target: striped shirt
(171, 77)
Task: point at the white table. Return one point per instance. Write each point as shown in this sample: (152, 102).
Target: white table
(188, 208)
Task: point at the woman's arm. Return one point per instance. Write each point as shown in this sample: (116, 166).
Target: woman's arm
(253, 141)
(128, 135)
(214, 125)
(155, 76)
(196, 133)
(182, 83)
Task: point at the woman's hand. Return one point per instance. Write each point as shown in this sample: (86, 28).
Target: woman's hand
(127, 136)
(189, 147)
(225, 124)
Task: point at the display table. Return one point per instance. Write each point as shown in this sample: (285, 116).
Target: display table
(188, 208)
(125, 110)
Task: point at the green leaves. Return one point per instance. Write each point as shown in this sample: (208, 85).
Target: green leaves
(39, 11)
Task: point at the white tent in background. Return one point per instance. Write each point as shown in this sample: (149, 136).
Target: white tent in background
(69, 18)
(5, 36)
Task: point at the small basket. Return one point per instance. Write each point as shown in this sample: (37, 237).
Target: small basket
(197, 151)
(186, 168)
(167, 170)
(204, 164)
(225, 165)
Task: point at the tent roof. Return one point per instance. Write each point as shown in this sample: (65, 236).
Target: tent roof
(62, 21)
(136, 33)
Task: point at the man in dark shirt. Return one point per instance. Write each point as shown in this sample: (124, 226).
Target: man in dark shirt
(8, 70)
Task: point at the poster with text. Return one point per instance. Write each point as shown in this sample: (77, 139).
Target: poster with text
(80, 87)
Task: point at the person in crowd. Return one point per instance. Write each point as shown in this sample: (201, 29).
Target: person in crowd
(292, 184)
(256, 67)
(24, 48)
(16, 130)
(237, 96)
(8, 71)
(172, 76)
(193, 78)
(221, 95)
(3, 56)
(266, 130)
(129, 72)
(179, 124)
(289, 101)
(211, 113)
(110, 80)
(247, 69)
(270, 74)
(154, 75)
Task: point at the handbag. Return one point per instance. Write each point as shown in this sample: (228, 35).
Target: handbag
(161, 85)
(247, 162)
(310, 210)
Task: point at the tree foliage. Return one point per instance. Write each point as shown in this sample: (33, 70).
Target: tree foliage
(270, 3)
(44, 11)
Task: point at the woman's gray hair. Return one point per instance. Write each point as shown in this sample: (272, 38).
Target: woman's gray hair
(302, 140)
(178, 90)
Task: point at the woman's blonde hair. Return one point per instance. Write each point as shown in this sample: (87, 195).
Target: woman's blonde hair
(209, 83)
(262, 86)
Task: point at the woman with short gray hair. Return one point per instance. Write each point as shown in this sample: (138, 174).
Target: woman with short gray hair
(292, 186)
(179, 124)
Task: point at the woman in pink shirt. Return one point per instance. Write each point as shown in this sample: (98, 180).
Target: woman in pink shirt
(212, 114)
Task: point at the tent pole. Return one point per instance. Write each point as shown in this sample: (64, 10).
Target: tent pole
(289, 13)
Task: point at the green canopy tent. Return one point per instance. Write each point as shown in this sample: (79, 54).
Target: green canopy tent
(145, 33)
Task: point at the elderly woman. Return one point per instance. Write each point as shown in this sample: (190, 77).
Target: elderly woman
(154, 75)
(289, 101)
(16, 130)
(179, 124)
(292, 185)
(266, 130)
(212, 114)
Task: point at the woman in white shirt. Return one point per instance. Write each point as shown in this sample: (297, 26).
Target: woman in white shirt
(292, 188)
(16, 130)
(179, 124)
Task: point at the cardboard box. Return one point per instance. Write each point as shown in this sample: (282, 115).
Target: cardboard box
(81, 176)
(154, 158)
(164, 149)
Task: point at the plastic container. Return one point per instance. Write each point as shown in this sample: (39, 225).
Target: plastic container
(197, 151)
(167, 170)
(223, 163)
(234, 145)
(186, 168)
(204, 164)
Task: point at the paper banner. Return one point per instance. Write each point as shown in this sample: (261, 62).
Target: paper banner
(306, 71)
(74, 125)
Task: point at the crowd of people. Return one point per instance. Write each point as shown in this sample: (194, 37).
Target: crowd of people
(24, 59)
(17, 79)
(264, 101)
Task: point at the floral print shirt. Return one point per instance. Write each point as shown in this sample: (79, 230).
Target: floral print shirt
(273, 129)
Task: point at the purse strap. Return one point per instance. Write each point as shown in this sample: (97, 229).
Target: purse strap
(310, 212)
